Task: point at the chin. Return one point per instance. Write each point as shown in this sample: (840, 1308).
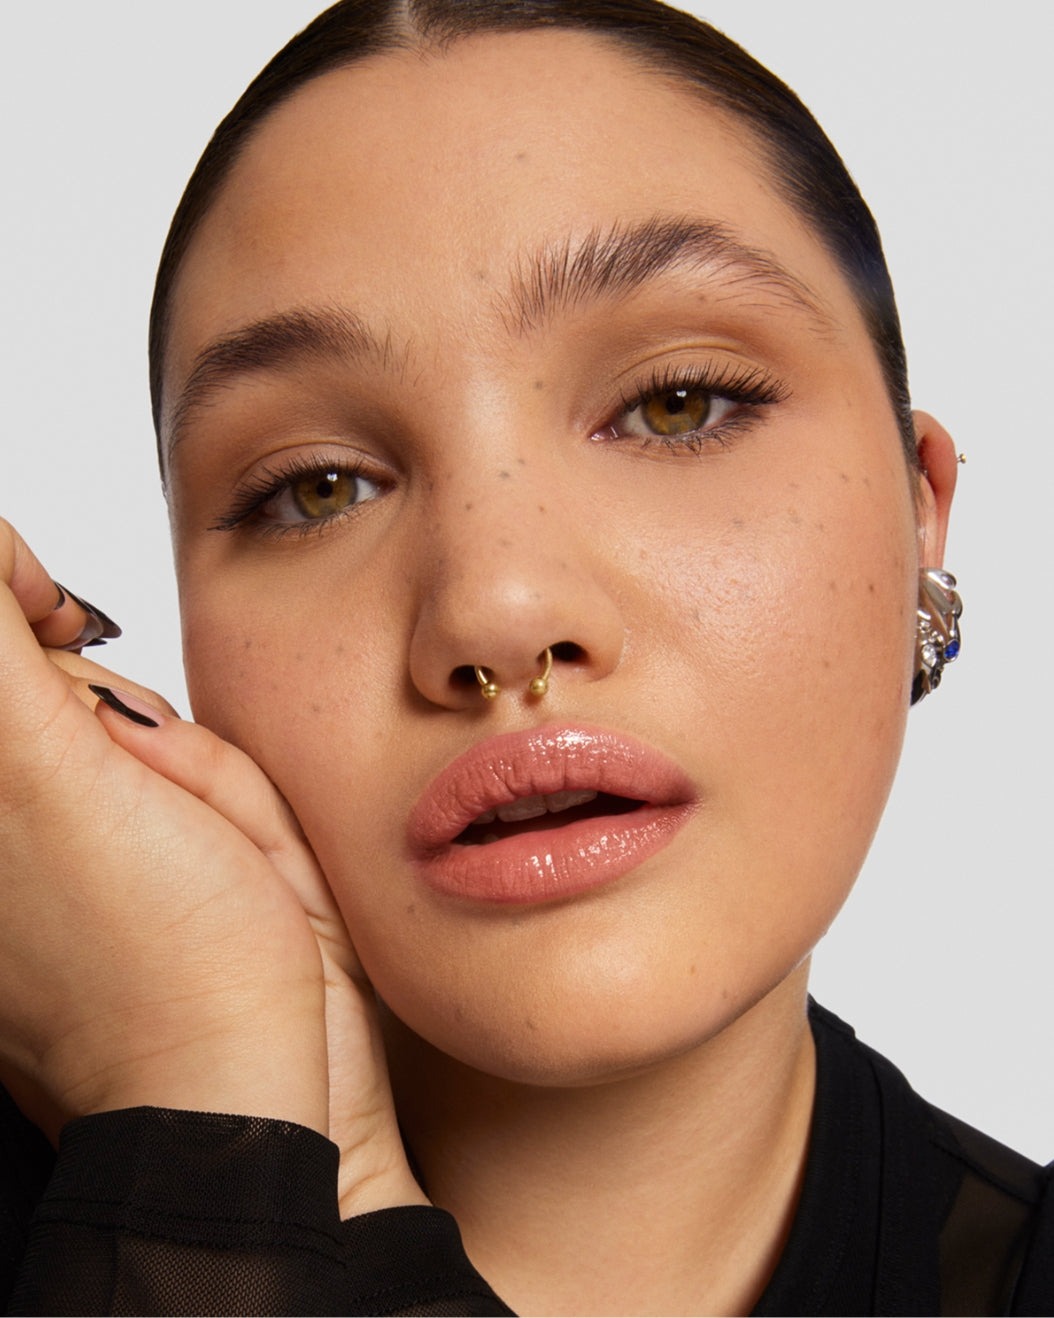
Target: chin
(614, 1032)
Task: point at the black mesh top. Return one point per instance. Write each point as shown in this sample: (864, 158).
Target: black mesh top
(904, 1210)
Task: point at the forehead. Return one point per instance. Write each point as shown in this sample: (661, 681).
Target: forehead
(417, 186)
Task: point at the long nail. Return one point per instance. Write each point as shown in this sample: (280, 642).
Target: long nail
(98, 627)
(122, 703)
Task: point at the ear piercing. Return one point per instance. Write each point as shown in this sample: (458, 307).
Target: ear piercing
(490, 690)
(937, 638)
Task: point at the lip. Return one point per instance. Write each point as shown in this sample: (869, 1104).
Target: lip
(546, 864)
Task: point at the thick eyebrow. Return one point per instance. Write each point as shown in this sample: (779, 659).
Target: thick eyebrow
(267, 345)
(560, 275)
(618, 261)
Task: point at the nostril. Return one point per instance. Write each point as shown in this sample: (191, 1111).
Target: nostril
(465, 677)
(567, 652)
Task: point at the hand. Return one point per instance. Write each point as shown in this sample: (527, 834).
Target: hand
(167, 936)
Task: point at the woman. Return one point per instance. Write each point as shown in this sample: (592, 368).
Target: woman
(512, 397)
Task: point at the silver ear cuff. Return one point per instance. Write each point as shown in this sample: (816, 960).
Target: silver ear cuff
(938, 640)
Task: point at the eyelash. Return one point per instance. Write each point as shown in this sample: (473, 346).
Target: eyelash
(748, 387)
(259, 490)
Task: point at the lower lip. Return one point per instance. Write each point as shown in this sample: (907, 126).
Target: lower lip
(554, 863)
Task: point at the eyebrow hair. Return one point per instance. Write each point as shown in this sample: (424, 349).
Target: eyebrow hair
(269, 344)
(557, 277)
(620, 260)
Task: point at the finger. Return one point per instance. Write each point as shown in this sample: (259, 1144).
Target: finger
(34, 697)
(22, 572)
(96, 629)
(58, 617)
(225, 779)
(85, 672)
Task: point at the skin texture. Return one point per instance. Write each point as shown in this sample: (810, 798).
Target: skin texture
(744, 604)
(748, 610)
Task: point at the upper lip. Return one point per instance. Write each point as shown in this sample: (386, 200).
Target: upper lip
(540, 762)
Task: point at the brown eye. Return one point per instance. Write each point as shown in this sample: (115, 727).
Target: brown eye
(670, 413)
(317, 496)
(324, 493)
(676, 412)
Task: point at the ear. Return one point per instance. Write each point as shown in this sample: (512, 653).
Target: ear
(940, 467)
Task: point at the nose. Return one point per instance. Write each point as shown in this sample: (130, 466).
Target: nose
(515, 597)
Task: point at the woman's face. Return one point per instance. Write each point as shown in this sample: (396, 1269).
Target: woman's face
(530, 353)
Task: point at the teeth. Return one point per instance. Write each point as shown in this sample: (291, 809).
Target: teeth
(529, 807)
(557, 801)
(532, 807)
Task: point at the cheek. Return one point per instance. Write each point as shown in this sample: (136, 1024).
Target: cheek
(293, 675)
(799, 622)
(768, 649)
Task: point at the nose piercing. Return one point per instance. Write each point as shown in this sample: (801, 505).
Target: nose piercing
(540, 685)
(490, 690)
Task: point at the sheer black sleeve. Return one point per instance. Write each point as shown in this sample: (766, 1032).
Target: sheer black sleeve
(152, 1211)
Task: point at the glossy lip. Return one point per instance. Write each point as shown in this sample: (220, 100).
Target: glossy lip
(550, 863)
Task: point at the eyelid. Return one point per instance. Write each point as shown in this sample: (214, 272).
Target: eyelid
(258, 489)
(750, 386)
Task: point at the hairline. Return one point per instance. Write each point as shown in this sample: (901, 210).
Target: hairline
(400, 36)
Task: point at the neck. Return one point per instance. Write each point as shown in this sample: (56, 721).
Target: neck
(670, 1191)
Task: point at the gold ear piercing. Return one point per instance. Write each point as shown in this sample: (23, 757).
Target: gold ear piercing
(490, 690)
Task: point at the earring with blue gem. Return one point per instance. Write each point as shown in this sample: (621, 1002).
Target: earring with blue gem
(937, 639)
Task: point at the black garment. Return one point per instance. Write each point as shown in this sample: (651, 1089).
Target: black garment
(904, 1210)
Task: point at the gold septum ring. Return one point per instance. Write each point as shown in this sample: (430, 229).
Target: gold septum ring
(490, 690)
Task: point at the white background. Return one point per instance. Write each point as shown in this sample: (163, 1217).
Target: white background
(942, 112)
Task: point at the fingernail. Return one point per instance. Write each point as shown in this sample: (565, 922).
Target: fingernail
(133, 709)
(62, 597)
(98, 628)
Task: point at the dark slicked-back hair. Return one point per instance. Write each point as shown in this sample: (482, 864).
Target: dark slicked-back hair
(805, 167)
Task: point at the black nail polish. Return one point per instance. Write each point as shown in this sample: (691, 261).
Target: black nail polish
(115, 702)
(62, 597)
(97, 630)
